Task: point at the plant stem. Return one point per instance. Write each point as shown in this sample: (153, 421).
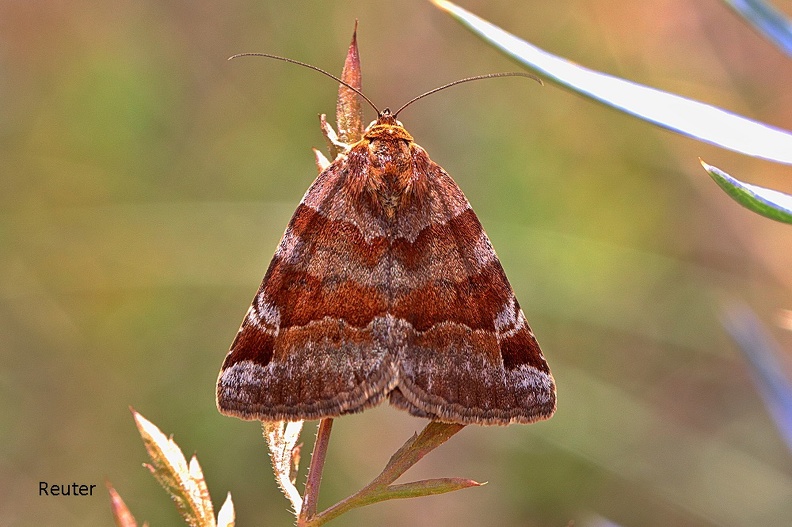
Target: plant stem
(415, 448)
(311, 496)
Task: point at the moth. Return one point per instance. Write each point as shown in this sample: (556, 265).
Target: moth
(385, 286)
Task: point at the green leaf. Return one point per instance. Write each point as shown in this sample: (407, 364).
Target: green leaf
(769, 203)
(685, 116)
(411, 452)
(767, 20)
(426, 487)
(380, 489)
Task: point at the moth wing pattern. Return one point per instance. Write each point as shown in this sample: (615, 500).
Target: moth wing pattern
(386, 285)
(467, 354)
(307, 346)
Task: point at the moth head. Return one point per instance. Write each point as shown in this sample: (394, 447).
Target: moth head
(385, 117)
(386, 127)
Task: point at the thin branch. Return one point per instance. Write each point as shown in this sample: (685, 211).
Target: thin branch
(431, 437)
(311, 495)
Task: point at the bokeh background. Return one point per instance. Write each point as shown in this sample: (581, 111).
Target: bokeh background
(145, 182)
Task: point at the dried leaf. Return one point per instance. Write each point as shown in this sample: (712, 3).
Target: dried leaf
(334, 145)
(184, 483)
(123, 516)
(282, 437)
(226, 516)
(196, 475)
(321, 161)
(349, 108)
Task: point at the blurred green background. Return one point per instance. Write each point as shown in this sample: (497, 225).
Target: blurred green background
(146, 182)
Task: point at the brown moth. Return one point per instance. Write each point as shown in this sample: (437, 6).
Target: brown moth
(385, 285)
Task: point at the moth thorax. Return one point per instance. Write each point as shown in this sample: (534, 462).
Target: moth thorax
(387, 131)
(389, 174)
(389, 156)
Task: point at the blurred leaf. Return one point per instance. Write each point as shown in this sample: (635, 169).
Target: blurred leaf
(763, 355)
(767, 20)
(121, 513)
(769, 203)
(673, 112)
(629, 436)
(226, 516)
(282, 437)
(599, 521)
(184, 483)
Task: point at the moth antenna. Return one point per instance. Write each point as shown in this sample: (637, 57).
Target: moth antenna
(468, 79)
(320, 70)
